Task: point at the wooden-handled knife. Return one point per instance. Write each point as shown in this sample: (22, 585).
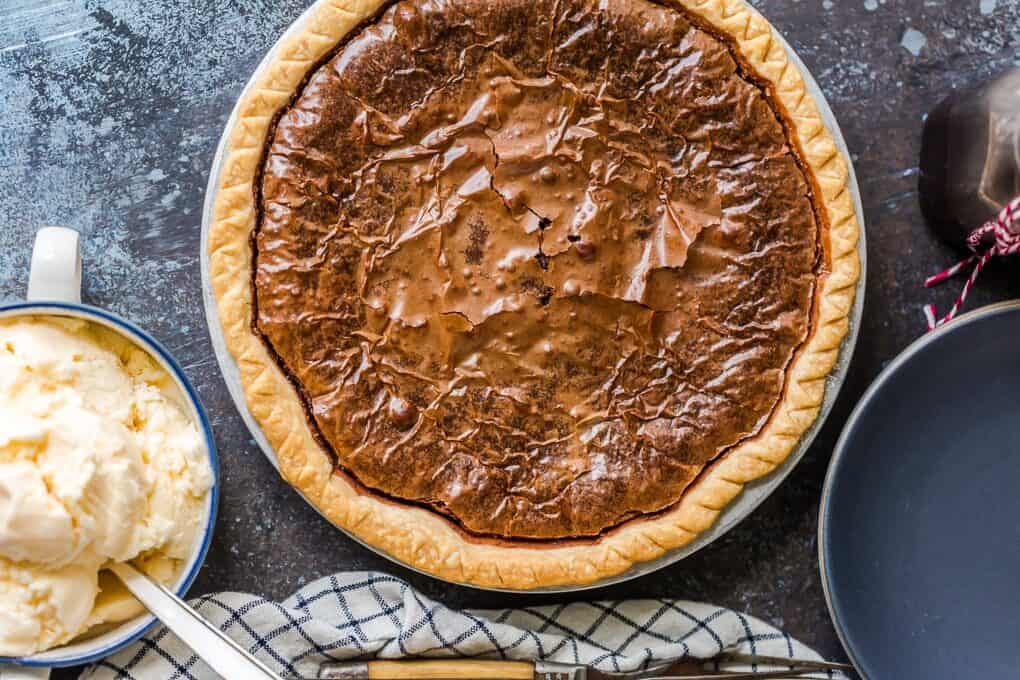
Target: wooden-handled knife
(434, 670)
(477, 669)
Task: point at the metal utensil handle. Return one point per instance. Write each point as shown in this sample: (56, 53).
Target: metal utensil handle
(767, 675)
(782, 661)
(222, 654)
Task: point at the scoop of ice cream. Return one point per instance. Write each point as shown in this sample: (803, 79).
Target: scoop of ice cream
(99, 462)
(34, 525)
(41, 608)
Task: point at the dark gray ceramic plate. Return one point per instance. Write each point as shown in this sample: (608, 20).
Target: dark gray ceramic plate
(919, 532)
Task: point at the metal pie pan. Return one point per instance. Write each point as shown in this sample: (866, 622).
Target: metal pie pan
(754, 493)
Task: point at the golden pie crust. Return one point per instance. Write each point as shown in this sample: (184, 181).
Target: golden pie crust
(420, 537)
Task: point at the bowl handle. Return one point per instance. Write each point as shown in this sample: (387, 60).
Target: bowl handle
(56, 268)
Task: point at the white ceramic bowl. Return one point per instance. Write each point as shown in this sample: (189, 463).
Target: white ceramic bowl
(55, 290)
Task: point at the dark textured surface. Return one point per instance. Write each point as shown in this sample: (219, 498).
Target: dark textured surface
(109, 116)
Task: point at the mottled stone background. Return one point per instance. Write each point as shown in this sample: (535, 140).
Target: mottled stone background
(110, 112)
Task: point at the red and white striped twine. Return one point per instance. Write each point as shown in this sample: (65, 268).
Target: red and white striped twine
(1005, 230)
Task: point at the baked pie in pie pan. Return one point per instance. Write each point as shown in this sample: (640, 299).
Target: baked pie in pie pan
(524, 292)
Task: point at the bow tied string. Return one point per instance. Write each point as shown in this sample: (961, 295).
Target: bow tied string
(996, 238)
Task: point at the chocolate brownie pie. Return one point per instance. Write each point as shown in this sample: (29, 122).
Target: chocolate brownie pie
(523, 292)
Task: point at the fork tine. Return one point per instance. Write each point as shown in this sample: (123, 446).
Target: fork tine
(782, 661)
(767, 675)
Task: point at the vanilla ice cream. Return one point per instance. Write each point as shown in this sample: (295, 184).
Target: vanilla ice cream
(99, 462)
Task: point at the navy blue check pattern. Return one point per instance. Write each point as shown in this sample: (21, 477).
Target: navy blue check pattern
(361, 615)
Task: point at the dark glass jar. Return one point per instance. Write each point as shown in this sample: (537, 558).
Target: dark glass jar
(970, 157)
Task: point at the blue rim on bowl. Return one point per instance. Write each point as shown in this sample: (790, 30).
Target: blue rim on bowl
(52, 658)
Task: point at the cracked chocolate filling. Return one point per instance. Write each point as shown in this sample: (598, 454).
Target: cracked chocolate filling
(533, 264)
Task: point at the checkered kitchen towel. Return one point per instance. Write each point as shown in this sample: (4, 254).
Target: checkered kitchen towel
(361, 614)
